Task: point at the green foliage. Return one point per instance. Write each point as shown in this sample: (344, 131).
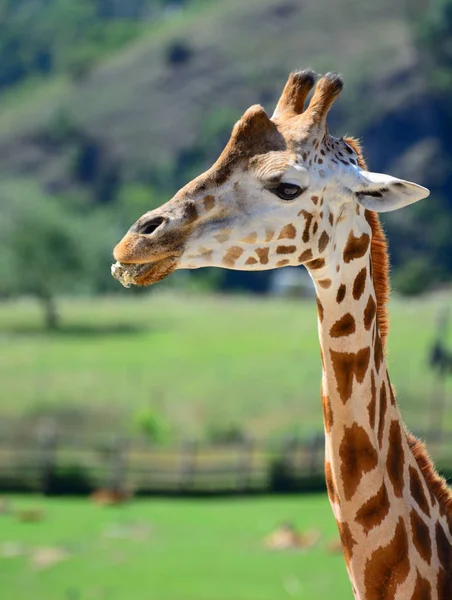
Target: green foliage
(49, 248)
(135, 199)
(434, 33)
(151, 425)
(414, 276)
(39, 37)
(70, 479)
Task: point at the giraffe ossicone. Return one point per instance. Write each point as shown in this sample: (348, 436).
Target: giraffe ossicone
(285, 192)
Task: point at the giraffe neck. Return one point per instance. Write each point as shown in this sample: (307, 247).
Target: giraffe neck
(394, 538)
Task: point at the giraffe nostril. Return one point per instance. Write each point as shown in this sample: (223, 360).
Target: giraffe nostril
(150, 226)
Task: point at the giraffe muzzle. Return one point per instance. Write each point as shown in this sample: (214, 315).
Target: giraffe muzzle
(129, 274)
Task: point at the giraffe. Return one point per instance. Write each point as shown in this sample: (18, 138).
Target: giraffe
(286, 192)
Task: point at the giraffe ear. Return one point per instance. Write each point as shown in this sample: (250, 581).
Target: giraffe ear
(383, 193)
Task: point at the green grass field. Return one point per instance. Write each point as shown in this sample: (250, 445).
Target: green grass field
(168, 550)
(200, 361)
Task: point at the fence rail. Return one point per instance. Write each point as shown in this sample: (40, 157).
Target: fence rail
(53, 462)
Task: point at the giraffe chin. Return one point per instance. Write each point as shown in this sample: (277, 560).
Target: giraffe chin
(143, 274)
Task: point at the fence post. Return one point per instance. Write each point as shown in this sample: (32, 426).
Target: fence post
(315, 446)
(187, 468)
(118, 464)
(47, 443)
(244, 464)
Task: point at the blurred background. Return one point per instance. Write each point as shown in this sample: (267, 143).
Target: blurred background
(167, 443)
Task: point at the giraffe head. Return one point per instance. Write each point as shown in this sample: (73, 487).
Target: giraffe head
(273, 198)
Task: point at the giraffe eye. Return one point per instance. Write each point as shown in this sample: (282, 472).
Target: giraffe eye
(287, 191)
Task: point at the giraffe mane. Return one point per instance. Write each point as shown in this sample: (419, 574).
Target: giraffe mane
(379, 254)
(436, 484)
(380, 274)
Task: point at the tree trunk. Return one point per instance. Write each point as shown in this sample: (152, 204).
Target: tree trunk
(51, 314)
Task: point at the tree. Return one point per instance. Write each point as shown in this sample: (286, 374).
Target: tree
(47, 248)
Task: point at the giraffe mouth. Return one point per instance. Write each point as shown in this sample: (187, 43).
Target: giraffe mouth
(129, 274)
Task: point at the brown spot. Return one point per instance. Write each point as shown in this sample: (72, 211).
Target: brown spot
(444, 584)
(359, 284)
(378, 352)
(396, 458)
(358, 456)
(388, 566)
(191, 212)
(369, 313)
(317, 263)
(417, 490)
(421, 536)
(269, 233)
(263, 255)
(327, 412)
(320, 310)
(307, 225)
(372, 512)
(347, 365)
(331, 218)
(222, 237)
(320, 161)
(282, 263)
(329, 483)
(209, 202)
(382, 413)
(285, 249)
(356, 247)
(315, 199)
(443, 547)
(324, 283)
(343, 326)
(288, 231)
(347, 541)
(251, 261)
(422, 589)
(391, 391)
(305, 256)
(340, 293)
(323, 241)
(205, 253)
(232, 254)
(373, 400)
(250, 238)
(314, 229)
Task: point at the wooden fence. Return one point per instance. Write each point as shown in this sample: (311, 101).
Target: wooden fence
(63, 462)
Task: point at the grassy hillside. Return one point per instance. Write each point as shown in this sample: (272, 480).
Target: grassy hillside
(201, 364)
(143, 119)
(240, 54)
(169, 550)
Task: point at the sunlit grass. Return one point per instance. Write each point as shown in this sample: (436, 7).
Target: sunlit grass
(170, 550)
(198, 360)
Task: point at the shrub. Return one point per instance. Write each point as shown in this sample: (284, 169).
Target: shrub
(71, 479)
(178, 53)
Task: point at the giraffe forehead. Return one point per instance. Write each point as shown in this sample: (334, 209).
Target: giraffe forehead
(272, 164)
